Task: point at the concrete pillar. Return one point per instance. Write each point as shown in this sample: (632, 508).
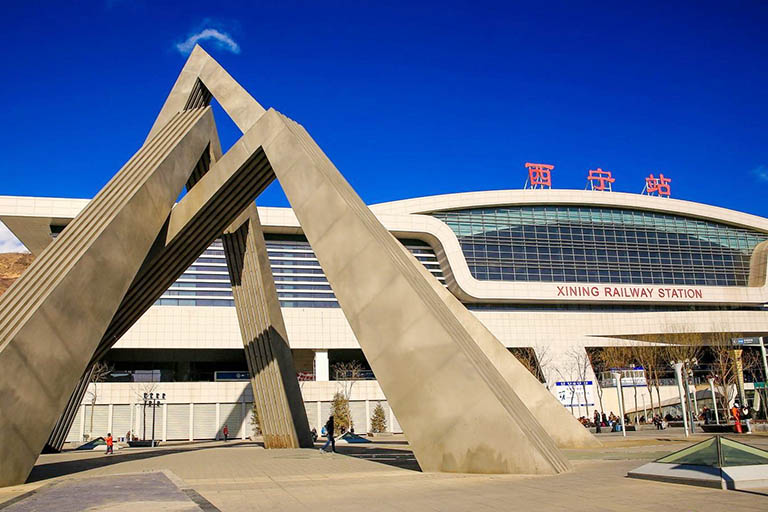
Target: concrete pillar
(130, 409)
(244, 423)
(319, 416)
(109, 419)
(322, 369)
(165, 422)
(367, 415)
(276, 392)
(679, 379)
(82, 422)
(219, 426)
(191, 421)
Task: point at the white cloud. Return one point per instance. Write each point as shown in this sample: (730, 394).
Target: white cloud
(8, 242)
(761, 173)
(222, 40)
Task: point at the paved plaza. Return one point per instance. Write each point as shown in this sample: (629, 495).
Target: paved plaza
(380, 476)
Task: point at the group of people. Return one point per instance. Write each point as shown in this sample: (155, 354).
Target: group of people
(742, 412)
(739, 413)
(601, 421)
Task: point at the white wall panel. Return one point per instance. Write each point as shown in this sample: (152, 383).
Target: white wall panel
(121, 420)
(357, 408)
(100, 416)
(74, 433)
(205, 421)
(178, 422)
(231, 415)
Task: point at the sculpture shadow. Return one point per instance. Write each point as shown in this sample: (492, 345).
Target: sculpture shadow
(69, 467)
(395, 457)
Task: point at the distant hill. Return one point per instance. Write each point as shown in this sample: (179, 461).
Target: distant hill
(12, 264)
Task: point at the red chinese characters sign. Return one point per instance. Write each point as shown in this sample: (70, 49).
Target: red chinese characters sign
(539, 175)
(658, 185)
(600, 180)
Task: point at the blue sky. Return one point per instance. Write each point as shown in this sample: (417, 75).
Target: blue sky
(408, 100)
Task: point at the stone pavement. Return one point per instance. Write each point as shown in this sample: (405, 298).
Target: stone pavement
(116, 493)
(384, 476)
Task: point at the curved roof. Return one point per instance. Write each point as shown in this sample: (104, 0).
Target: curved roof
(30, 218)
(467, 200)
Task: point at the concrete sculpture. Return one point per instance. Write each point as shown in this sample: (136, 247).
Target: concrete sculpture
(459, 395)
(282, 417)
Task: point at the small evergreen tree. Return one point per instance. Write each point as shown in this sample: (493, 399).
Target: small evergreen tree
(378, 420)
(342, 416)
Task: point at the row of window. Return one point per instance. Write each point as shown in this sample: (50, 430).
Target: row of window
(299, 279)
(601, 245)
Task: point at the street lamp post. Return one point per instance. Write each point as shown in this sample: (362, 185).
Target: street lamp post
(678, 366)
(620, 393)
(714, 400)
(152, 400)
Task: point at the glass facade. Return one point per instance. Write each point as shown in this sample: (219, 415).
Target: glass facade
(299, 279)
(600, 245)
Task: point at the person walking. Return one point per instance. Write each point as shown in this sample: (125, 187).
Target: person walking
(110, 443)
(746, 413)
(736, 412)
(225, 432)
(329, 432)
(597, 422)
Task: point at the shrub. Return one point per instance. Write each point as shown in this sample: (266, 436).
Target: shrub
(378, 420)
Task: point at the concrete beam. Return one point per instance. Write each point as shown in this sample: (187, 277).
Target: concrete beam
(53, 317)
(459, 412)
(276, 393)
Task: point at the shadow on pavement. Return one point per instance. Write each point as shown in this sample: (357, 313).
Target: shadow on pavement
(49, 470)
(399, 458)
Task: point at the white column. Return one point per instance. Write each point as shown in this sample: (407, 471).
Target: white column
(322, 370)
(165, 422)
(679, 378)
(245, 423)
(367, 415)
(130, 408)
(218, 420)
(191, 421)
(319, 417)
(714, 399)
(82, 422)
(620, 392)
(109, 419)
(390, 425)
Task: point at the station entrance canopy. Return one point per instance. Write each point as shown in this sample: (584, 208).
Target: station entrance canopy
(465, 403)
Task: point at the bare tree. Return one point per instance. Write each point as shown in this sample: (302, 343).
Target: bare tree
(99, 374)
(143, 390)
(527, 357)
(612, 357)
(346, 374)
(723, 369)
(650, 358)
(577, 365)
(544, 355)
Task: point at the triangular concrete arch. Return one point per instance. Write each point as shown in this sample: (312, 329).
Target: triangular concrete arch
(438, 367)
